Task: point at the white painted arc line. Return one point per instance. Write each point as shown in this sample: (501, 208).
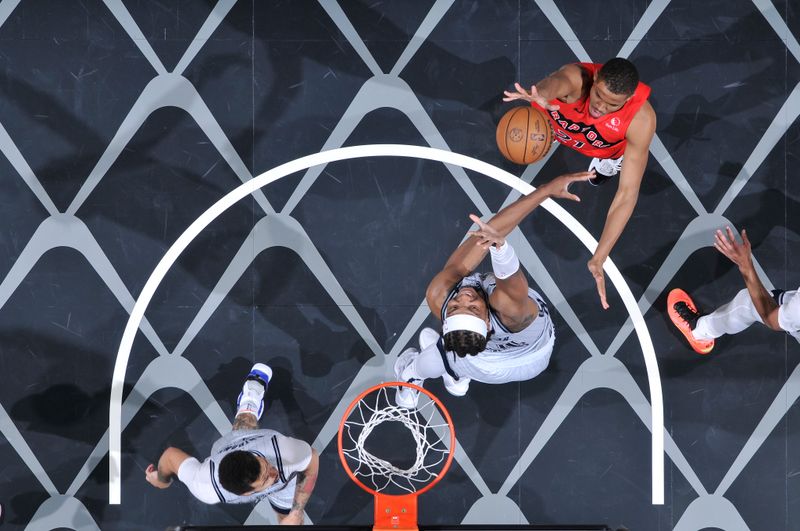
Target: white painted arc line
(376, 150)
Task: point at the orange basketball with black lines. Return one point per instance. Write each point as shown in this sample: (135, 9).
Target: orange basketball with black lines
(524, 135)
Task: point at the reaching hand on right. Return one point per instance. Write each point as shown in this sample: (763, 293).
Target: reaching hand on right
(738, 253)
(559, 187)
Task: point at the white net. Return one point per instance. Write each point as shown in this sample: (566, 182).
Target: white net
(426, 425)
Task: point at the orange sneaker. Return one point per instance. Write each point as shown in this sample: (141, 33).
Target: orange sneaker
(684, 315)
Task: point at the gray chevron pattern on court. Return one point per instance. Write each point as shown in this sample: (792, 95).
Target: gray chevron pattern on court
(279, 229)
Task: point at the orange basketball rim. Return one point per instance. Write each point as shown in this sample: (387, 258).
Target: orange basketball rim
(396, 487)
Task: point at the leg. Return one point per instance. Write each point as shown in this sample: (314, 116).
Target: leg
(730, 318)
(413, 366)
(454, 385)
(250, 404)
(245, 421)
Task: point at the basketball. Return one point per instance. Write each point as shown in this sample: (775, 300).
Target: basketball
(524, 135)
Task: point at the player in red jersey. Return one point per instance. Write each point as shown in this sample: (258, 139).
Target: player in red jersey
(601, 111)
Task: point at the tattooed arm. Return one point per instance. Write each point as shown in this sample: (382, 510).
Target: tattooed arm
(245, 421)
(306, 480)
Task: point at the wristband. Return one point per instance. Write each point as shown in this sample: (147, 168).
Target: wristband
(504, 261)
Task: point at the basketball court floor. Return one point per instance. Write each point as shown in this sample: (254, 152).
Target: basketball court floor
(122, 121)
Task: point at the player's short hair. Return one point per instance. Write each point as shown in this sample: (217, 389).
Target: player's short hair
(620, 76)
(466, 342)
(238, 470)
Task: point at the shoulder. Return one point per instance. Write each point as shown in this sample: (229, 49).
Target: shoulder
(643, 124)
(294, 453)
(578, 76)
(789, 312)
(197, 478)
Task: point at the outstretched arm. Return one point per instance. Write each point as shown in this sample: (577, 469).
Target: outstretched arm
(470, 253)
(168, 465)
(741, 255)
(639, 135)
(306, 480)
(566, 84)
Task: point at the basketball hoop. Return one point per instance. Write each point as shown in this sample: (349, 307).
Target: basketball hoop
(396, 486)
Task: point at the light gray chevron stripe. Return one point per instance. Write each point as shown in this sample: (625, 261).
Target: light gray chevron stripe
(278, 230)
(495, 509)
(210, 25)
(597, 372)
(334, 10)
(6, 8)
(431, 20)
(376, 93)
(666, 161)
(262, 513)
(778, 24)
(711, 511)
(697, 235)
(168, 90)
(649, 18)
(407, 335)
(563, 28)
(11, 434)
(784, 401)
(63, 230)
(782, 121)
(15, 158)
(532, 171)
(161, 373)
(62, 511)
(553, 294)
(124, 17)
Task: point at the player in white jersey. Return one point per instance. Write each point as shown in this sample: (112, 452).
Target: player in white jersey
(779, 310)
(495, 329)
(248, 464)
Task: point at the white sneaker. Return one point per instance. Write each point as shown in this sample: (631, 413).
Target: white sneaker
(604, 169)
(456, 387)
(406, 397)
(251, 399)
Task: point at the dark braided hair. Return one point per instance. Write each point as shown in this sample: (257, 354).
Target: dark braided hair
(466, 342)
(238, 470)
(620, 76)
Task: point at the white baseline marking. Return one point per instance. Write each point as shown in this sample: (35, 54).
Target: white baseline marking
(356, 152)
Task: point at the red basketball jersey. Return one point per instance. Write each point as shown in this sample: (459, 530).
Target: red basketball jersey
(602, 137)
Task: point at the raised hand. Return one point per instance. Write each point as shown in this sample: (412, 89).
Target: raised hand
(738, 253)
(486, 235)
(152, 477)
(559, 187)
(532, 96)
(596, 269)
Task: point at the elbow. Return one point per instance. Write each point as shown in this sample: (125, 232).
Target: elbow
(170, 451)
(773, 325)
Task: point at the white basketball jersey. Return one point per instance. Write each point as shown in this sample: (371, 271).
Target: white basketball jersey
(509, 356)
(287, 454)
(789, 313)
